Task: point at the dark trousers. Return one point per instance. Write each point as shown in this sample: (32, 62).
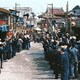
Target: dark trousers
(1, 60)
(1, 56)
(14, 50)
(65, 74)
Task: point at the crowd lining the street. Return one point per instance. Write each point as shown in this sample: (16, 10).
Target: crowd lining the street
(12, 45)
(62, 51)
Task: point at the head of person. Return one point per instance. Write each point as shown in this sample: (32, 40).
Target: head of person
(62, 49)
(73, 45)
(68, 45)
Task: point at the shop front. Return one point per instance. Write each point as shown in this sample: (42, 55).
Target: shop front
(4, 27)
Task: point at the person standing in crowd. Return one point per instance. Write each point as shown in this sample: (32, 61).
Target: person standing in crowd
(9, 47)
(24, 43)
(57, 67)
(68, 49)
(27, 42)
(1, 53)
(78, 47)
(74, 62)
(64, 64)
(19, 44)
(45, 46)
(14, 47)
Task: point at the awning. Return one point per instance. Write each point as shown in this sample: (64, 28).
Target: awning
(4, 10)
(4, 28)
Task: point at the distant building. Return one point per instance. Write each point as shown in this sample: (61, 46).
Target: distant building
(51, 17)
(13, 18)
(76, 11)
(26, 18)
(4, 22)
(4, 16)
(24, 10)
(55, 11)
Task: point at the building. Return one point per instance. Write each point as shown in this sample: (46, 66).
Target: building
(14, 15)
(76, 21)
(76, 11)
(51, 17)
(4, 22)
(23, 10)
(4, 16)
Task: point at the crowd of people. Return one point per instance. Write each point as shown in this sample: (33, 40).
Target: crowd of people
(62, 51)
(12, 45)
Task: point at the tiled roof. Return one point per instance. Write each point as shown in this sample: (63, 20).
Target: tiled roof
(4, 10)
(76, 7)
(49, 14)
(57, 11)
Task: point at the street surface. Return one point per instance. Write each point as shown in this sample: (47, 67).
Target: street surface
(27, 65)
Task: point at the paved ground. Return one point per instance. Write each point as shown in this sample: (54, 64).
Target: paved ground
(27, 65)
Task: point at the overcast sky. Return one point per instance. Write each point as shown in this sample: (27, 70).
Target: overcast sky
(39, 6)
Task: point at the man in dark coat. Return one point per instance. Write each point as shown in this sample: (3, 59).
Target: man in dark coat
(14, 47)
(57, 58)
(64, 65)
(75, 55)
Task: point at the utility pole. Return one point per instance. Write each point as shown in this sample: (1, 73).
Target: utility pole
(16, 6)
(51, 9)
(16, 11)
(67, 21)
(51, 26)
